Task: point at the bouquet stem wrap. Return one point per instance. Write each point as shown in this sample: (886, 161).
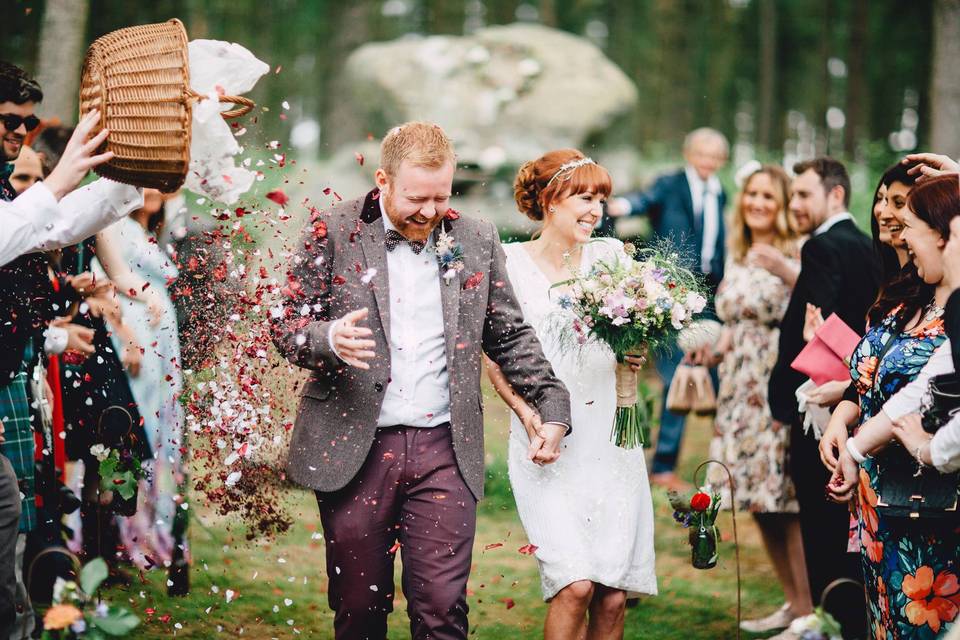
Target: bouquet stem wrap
(631, 423)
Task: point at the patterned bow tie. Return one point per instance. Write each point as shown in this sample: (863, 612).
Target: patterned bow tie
(395, 238)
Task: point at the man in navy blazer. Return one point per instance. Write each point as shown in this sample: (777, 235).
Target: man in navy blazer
(686, 207)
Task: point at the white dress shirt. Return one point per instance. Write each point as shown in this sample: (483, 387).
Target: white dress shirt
(827, 224)
(418, 392)
(35, 221)
(945, 446)
(705, 195)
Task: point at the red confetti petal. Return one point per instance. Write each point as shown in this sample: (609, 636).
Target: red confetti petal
(473, 280)
(278, 196)
(528, 549)
(493, 545)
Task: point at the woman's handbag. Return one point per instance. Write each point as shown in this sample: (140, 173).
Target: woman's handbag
(691, 390)
(907, 490)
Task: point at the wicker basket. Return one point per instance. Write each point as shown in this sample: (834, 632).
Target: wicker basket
(139, 79)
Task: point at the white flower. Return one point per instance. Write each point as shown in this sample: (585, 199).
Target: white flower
(100, 452)
(678, 314)
(696, 303)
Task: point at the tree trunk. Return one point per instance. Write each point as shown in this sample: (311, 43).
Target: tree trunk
(62, 37)
(768, 67)
(945, 79)
(856, 78)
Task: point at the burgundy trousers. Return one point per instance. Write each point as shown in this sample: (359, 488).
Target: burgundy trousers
(410, 491)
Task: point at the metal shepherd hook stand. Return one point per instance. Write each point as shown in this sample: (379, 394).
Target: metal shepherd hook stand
(736, 539)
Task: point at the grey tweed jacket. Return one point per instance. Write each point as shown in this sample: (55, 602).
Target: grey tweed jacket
(339, 406)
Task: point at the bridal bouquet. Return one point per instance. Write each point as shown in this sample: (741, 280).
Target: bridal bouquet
(633, 306)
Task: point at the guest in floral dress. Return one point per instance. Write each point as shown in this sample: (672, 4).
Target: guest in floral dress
(910, 566)
(760, 273)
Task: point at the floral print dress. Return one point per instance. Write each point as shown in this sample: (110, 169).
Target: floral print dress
(910, 568)
(751, 302)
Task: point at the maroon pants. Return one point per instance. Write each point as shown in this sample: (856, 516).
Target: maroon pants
(409, 490)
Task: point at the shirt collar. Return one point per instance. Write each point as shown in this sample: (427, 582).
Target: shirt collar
(711, 184)
(827, 224)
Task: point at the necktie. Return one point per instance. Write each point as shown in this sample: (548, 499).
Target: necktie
(394, 238)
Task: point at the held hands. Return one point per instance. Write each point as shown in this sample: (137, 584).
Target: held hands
(79, 338)
(813, 320)
(544, 439)
(351, 341)
(833, 443)
(78, 157)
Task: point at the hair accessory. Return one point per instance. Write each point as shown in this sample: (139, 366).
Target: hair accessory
(568, 166)
(743, 173)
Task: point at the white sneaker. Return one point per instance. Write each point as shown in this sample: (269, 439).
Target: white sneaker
(779, 619)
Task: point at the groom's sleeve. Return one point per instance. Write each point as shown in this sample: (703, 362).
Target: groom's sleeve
(513, 345)
(300, 323)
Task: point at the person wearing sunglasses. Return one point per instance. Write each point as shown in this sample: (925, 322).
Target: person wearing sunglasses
(51, 215)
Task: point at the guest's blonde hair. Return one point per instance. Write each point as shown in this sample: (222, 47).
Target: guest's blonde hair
(423, 144)
(784, 236)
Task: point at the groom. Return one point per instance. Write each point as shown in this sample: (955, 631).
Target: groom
(390, 426)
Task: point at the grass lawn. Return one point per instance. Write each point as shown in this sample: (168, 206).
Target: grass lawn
(277, 588)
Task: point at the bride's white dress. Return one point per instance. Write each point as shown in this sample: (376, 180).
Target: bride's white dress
(589, 514)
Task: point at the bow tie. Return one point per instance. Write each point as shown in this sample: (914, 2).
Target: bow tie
(394, 238)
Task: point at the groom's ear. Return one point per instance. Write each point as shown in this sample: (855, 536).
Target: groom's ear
(382, 179)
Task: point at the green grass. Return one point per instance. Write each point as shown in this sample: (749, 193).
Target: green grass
(692, 605)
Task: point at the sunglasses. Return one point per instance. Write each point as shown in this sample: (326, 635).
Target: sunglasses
(12, 121)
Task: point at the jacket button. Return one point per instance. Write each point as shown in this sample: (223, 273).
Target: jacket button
(378, 386)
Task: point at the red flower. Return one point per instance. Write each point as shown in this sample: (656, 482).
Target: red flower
(933, 600)
(700, 502)
(278, 196)
(473, 280)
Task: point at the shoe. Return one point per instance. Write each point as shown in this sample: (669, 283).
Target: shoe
(670, 481)
(779, 619)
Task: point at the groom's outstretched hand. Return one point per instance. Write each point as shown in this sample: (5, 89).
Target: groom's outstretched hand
(350, 340)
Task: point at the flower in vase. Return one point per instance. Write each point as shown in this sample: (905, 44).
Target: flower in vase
(700, 501)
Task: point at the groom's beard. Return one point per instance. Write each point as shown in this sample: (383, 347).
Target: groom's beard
(412, 226)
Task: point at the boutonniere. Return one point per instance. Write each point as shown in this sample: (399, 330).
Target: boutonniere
(449, 255)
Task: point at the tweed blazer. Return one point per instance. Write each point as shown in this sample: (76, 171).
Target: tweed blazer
(340, 265)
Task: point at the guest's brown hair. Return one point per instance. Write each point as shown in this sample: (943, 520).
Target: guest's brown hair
(936, 201)
(832, 174)
(540, 182)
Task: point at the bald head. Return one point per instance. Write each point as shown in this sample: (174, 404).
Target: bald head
(27, 170)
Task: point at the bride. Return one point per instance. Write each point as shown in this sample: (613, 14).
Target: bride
(589, 514)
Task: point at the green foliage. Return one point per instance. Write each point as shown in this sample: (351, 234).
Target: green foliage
(92, 576)
(118, 622)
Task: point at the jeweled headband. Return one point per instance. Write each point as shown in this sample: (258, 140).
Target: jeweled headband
(567, 166)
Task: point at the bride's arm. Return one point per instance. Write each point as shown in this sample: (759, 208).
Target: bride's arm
(517, 404)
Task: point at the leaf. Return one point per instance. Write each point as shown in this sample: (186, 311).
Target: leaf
(128, 487)
(92, 574)
(118, 622)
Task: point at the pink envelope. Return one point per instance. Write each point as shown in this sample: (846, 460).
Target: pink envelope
(827, 356)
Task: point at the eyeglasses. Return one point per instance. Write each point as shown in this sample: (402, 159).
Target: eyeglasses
(12, 121)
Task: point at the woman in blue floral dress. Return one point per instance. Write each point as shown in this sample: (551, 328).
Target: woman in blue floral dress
(911, 567)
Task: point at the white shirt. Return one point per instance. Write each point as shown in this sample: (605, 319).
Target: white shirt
(35, 221)
(705, 195)
(418, 392)
(827, 224)
(945, 446)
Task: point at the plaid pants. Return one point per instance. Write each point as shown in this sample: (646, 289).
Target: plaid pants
(19, 445)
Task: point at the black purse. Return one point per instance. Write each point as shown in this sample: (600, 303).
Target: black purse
(907, 490)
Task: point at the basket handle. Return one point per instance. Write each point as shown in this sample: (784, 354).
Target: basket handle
(244, 105)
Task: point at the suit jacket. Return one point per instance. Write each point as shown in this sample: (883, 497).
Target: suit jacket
(669, 206)
(840, 273)
(337, 418)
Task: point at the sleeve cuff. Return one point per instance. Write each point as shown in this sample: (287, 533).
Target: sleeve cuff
(568, 428)
(940, 455)
(55, 340)
(333, 349)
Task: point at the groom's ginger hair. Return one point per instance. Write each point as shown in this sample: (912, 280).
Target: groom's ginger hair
(423, 144)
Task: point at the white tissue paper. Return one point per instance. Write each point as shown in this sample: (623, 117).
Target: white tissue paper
(815, 417)
(218, 68)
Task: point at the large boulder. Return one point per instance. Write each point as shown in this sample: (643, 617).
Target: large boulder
(505, 94)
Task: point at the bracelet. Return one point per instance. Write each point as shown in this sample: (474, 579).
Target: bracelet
(854, 452)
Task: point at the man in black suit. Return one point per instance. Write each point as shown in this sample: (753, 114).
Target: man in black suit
(687, 207)
(839, 274)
